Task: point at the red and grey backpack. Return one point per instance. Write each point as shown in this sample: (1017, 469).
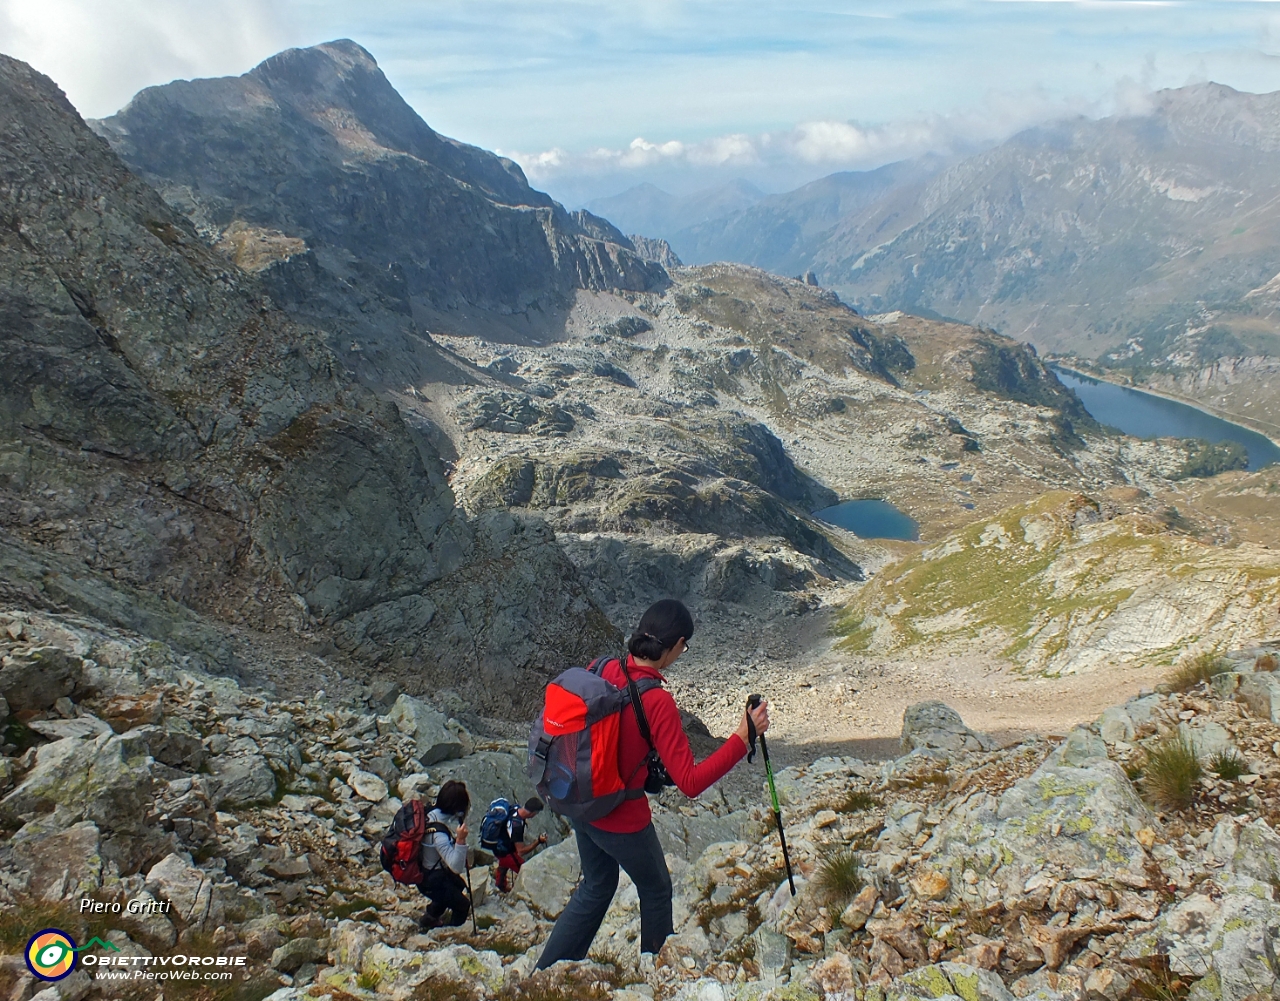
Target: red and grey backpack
(401, 850)
(573, 749)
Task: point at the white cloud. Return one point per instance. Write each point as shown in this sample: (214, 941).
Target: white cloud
(101, 52)
(811, 147)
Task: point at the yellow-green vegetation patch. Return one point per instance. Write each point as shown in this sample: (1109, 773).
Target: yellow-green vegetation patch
(930, 980)
(1054, 585)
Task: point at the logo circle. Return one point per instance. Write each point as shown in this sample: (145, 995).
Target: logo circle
(51, 954)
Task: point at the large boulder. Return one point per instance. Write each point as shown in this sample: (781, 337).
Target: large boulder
(188, 890)
(433, 739)
(953, 979)
(686, 837)
(1061, 815)
(50, 862)
(241, 780)
(107, 780)
(34, 679)
(547, 880)
(1261, 693)
(1224, 934)
(935, 726)
(172, 746)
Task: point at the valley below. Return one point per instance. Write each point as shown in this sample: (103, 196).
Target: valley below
(304, 501)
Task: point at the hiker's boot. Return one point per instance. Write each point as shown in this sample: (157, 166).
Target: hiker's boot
(427, 922)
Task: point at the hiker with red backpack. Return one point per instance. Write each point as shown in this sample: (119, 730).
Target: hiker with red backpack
(420, 850)
(608, 735)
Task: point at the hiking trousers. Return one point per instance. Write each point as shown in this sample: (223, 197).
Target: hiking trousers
(602, 853)
(447, 892)
(509, 866)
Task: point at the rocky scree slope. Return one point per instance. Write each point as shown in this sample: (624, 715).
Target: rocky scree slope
(680, 441)
(1041, 869)
(1146, 241)
(313, 171)
(178, 456)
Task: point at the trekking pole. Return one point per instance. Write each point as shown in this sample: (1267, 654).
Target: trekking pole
(752, 702)
(475, 929)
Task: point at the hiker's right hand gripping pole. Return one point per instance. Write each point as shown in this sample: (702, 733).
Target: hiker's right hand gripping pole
(752, 703)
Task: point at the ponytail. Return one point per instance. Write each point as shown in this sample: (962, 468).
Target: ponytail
(645, 646)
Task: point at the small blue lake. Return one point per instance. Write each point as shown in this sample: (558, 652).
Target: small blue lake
(871, 519)
(1144, 415)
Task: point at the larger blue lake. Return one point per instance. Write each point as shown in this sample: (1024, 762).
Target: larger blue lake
(871, 519)
(1146, 416)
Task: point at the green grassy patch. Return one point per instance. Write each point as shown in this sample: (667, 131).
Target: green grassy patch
(1194, 670)
(838, 877)
(1171, 771)
(1227, 764)
(1029, 579)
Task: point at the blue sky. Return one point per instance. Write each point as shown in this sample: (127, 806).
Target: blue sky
(592, 97)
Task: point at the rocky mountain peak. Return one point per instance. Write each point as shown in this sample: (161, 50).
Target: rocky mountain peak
(339, 87)
(253, 485)
(402, 229)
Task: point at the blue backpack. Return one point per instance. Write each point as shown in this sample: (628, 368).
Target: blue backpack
(493, 829)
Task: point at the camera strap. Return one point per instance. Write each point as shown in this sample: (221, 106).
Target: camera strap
(641, 721)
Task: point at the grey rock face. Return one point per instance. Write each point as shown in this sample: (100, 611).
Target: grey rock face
(936, 726)
(39, 677)
(1261, 693)
(294, 953)
(181, 432)
(242, 779)
(547, 880)
(48, 861)
(391, 215)
(657, 250)
(106, 780)
(1071, 816)
(433, 740)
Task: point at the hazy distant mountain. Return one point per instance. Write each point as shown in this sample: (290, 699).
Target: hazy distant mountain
(312, 170)
(1091, 234)
(648, 209)
(782, 232)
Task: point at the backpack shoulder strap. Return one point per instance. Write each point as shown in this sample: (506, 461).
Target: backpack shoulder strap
(644, 685)
(597, 666)
(438, 828)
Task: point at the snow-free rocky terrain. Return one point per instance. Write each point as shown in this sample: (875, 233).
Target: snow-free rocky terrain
(961, 866)
(269, 567)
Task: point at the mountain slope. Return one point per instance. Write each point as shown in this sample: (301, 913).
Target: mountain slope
(313, 170)
(648, 209)
(179, 455)
(1085, 235)
(781, 232)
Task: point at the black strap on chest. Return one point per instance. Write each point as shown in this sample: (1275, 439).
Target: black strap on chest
(439, 828)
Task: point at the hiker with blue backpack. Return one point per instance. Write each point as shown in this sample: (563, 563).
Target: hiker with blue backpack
(609, 734)
(502, 833)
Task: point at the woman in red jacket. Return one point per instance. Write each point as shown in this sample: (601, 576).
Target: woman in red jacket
(626, 837)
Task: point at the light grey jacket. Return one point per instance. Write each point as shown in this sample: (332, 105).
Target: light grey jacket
(437, 846)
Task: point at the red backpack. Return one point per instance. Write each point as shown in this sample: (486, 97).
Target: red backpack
(573, 748)
(401, 851)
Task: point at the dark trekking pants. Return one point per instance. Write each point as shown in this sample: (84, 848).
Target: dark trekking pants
(447, 892)
(640, 856)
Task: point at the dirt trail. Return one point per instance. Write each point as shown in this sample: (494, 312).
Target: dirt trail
(826, 701)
